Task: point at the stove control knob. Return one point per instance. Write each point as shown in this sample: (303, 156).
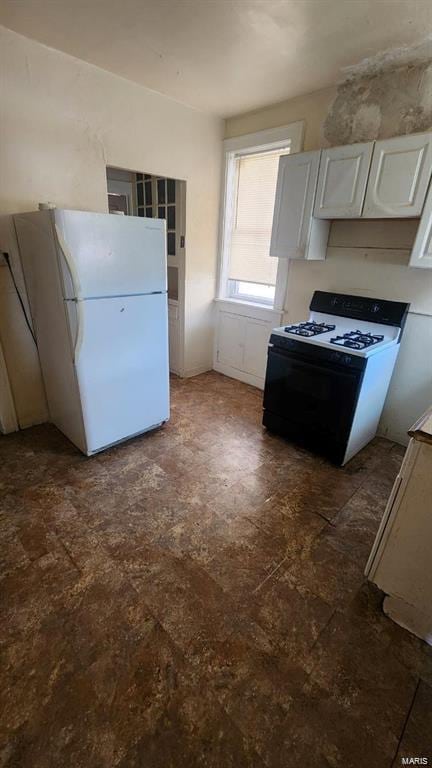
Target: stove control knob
(375, 308)
(347, 359)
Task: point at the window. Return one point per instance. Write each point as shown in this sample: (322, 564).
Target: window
(252, 271)
(248, 272)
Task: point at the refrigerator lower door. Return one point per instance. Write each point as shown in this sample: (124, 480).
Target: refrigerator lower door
(121, 360)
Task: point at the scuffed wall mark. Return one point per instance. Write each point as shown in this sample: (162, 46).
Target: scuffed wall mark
(28, 69)
(101, 145)
(380, 105)
(90, 138)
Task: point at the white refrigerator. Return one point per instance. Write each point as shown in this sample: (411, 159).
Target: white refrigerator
(97, 287)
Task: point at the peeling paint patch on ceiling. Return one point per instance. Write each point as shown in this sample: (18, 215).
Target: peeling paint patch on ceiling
(391, 58)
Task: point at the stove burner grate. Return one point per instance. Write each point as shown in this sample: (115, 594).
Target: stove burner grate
(357, 340)
(309, 329)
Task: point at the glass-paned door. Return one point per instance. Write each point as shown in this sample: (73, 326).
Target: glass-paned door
(157, 198)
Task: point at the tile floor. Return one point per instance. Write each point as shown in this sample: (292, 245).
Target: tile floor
(195, 597)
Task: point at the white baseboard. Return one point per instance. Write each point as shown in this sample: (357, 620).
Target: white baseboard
(233, 373)
(34, 421)
(187, 374)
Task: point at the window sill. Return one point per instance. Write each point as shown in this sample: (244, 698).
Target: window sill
(250, 309)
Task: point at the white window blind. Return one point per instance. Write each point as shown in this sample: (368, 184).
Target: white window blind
(255, 189)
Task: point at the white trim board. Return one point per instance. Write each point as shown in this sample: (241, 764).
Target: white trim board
(271, 138)
(249, 309)
(293, 132)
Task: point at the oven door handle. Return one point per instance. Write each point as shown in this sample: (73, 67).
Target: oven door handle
(303, 358)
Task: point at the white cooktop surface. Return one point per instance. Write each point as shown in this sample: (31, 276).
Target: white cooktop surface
(345, 325)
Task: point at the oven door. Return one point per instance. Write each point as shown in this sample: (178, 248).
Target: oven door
(311, 401)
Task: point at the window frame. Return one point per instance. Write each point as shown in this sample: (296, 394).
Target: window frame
(252, 143)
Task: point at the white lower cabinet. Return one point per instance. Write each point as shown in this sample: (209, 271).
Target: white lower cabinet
(257, 334)
(231, 333)
(241, 344)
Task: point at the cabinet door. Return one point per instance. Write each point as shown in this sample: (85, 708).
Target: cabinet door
(342, 181)
(231, 337)
(421, 255)
(257, 334)
(295, 193)
(399, 177)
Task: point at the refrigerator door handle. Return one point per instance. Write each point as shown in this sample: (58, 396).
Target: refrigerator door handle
(67, 256)
(80, 329)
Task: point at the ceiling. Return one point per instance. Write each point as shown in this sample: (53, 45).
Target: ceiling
(223, 56)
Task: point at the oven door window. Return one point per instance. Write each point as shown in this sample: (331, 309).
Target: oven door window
(319, 397)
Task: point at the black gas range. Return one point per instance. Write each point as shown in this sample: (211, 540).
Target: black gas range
(327, 378)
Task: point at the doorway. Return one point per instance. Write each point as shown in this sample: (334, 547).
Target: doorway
(134, 193)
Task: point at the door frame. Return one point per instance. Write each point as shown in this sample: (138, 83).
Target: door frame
(181, 266)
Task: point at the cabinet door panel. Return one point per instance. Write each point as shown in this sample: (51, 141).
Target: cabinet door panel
(342, 181)
(257, 334)
(421, 255)
(231, 336)
(295, 194)
(399, 177)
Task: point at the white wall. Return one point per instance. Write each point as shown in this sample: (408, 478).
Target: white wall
(367, 269)
(63, 121)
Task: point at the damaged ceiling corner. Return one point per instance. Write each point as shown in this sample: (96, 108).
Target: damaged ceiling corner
(389, 94)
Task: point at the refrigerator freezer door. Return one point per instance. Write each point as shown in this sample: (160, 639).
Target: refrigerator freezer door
(121, 361)
(105, 255)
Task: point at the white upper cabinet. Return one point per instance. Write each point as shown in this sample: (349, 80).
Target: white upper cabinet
(342, 180)
(295, 234)
(399, 176)
(421, 255)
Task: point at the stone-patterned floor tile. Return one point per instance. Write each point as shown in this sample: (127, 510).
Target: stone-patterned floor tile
(256, 688)
(320, 731)
(413, 653)
(204, 534)
(417, 736)
(292, 617)
(324, 571)
(12, 552)
(289, 526)
(356, 525)
(351, 663)
(193, 731)
(241, 570)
